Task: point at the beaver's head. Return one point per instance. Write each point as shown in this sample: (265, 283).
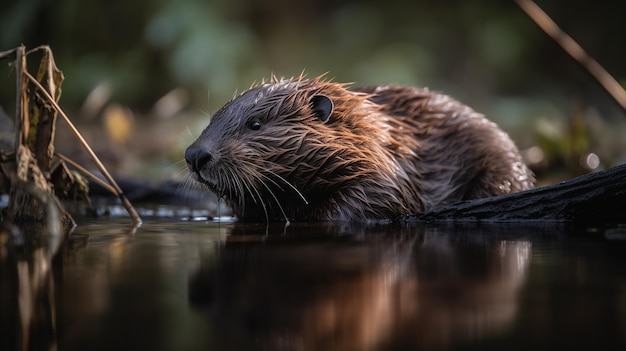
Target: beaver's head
(287, 149)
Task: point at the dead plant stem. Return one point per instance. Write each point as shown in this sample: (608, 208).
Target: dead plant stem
(94, 157)
(574, 50)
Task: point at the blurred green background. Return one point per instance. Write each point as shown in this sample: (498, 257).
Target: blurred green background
(142, 76)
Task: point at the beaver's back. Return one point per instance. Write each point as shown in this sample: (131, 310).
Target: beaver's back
(456, 154)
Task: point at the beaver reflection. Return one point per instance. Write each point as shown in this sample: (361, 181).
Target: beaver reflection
(421, 288)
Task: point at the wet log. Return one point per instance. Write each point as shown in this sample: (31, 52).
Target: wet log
(593, 198)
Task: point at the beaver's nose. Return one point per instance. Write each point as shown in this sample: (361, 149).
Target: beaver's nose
(197, 158)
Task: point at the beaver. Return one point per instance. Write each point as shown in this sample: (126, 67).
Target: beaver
(313, 149)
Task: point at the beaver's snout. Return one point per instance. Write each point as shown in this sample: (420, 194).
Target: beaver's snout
(197, 158)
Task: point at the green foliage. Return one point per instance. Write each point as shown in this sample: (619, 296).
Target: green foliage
(485, 53)
(145, 48)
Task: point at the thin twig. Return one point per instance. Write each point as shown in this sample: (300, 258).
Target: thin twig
(21, 104)
(573, 49)
(87, 173)
(37, 48)
(6, 53)
(94, 157)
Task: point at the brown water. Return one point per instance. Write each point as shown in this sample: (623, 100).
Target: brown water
(193, 285)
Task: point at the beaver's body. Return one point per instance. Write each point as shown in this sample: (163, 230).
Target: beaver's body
(309, 149)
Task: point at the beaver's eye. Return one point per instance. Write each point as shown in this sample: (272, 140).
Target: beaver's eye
(256, 125)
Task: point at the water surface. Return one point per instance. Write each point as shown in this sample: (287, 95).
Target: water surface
(195, 285)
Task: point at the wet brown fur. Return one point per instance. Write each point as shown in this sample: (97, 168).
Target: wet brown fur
(384, 152)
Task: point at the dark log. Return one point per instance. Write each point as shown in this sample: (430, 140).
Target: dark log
(593, 198)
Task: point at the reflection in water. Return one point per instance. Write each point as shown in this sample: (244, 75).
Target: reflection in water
(127, 291)
(393, 287)
(27, 287)
(198, 286)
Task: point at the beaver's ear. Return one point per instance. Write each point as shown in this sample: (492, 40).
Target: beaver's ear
(322, 107)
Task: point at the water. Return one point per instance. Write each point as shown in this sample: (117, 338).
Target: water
(193, 285)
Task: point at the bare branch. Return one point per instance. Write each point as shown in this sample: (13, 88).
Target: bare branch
(94, 157)
(88, 174)
(573, 49)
